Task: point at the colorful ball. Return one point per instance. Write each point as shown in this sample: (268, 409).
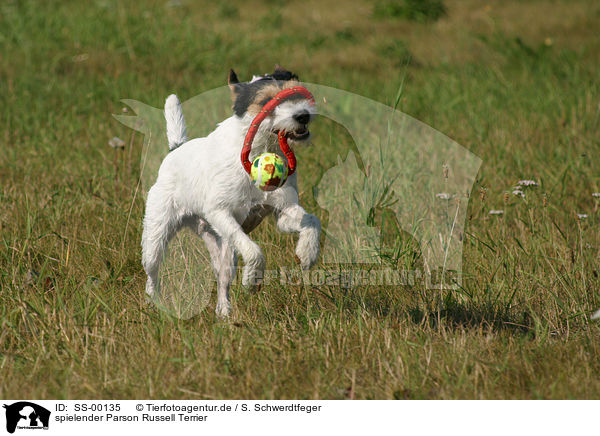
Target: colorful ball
(269, 171)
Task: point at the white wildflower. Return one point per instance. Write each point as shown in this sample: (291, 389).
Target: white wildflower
(443, 196)
(582, 216)
(80, 57)
(596, 194)
(116, 142)
(519, 193)
(496, 212)
(528, 183)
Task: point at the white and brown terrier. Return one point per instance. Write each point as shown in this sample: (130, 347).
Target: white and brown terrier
(203, 185)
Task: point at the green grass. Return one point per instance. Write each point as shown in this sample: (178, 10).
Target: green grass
(514, 82)
(414, 10)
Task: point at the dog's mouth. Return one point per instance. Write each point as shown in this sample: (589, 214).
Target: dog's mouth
(299, 134)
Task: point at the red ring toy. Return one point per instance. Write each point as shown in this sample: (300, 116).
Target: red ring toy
(266, 111)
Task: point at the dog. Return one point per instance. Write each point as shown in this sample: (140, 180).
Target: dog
(202, 184)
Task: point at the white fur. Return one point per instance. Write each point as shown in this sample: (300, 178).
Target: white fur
(176, 131)
(202, 184)
(285, 111)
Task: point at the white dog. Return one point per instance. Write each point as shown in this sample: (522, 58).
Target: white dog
(202, 184)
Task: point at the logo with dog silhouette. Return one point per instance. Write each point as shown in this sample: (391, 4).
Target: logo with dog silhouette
(26, 415)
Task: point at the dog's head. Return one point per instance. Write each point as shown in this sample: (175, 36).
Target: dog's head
(291, 116)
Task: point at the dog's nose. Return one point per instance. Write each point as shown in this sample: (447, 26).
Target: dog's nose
(303, 117)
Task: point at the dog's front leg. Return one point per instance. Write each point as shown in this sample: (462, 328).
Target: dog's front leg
(230, 230)
(294, 219)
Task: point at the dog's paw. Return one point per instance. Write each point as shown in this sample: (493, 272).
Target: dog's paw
(149, 300)
(307, 250)
(253, 289)
(252, 278)
(152, 293)
(223, 309)
(307, 257)
(254, 270)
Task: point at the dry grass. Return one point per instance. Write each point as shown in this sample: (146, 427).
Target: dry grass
(487, 77)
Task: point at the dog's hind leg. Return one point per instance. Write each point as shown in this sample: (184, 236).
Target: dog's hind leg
(224, 262)
(225, 276)
(231, 231)
(211, 240)
(161, 222)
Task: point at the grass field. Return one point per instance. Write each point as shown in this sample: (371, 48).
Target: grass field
(517, 83)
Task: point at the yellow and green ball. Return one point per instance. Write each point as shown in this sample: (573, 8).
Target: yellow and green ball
(269, 171)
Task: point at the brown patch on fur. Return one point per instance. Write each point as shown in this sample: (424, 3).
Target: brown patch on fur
(268, 92)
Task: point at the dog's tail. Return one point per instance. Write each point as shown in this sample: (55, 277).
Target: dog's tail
(176, 131)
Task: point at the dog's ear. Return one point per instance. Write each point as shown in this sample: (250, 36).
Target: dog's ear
(281, 73)
(234, 84)
(232, 80)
